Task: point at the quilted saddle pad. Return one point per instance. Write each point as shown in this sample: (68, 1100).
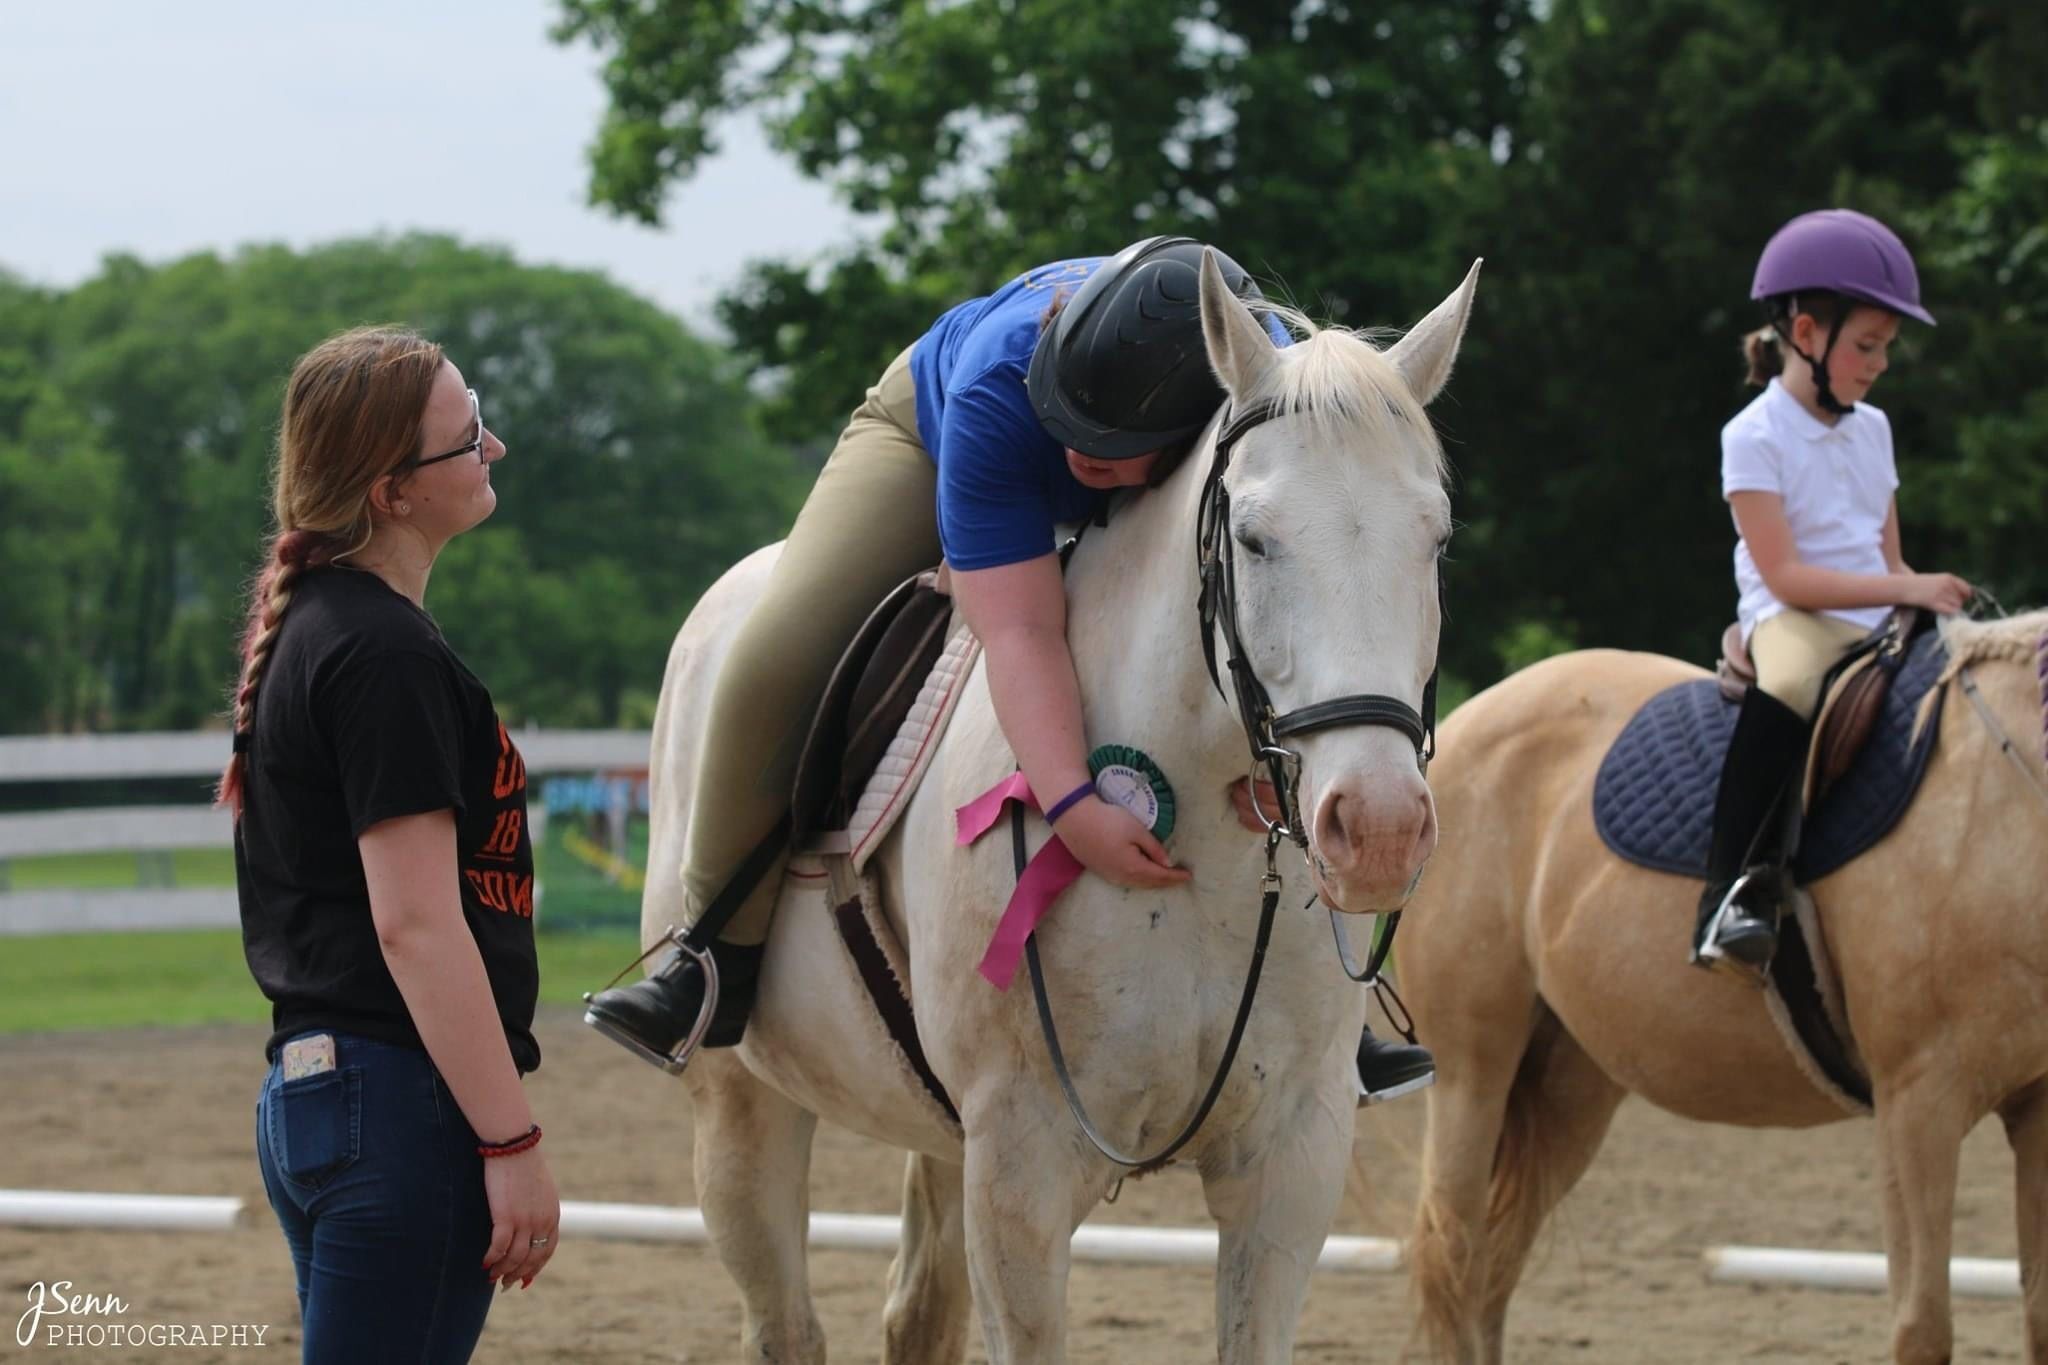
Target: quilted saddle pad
(1653, 801)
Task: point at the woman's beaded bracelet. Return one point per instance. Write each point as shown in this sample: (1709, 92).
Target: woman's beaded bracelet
(524, 1142)
(1061, 806)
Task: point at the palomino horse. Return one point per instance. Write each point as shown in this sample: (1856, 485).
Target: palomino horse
(1550, 978)
(1337, 514)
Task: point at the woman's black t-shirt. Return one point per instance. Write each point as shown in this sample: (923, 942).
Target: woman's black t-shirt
(364, 714)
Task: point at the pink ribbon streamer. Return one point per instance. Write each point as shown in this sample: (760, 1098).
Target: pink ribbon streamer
(1051, 870)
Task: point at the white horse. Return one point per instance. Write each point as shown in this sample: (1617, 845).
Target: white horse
(1338, 514)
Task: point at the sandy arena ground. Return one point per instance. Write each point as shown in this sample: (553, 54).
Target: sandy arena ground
(1618, 1278)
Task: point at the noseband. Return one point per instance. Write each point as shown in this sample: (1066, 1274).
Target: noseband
(1216, 561)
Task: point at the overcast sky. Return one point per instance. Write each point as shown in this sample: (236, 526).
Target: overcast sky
(159, 129)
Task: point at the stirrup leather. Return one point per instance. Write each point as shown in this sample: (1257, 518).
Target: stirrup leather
(678, 1058)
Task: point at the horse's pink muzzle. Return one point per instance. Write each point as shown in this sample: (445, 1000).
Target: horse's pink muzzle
(1369, 841)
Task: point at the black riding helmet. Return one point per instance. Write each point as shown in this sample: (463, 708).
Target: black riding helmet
(1123, 370)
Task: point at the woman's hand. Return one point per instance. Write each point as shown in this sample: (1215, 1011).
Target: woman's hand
(1942, 593)
(524, 1207)
(1269, 801)
(1111, 843)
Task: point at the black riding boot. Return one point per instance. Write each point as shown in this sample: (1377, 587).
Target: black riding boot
(1756, 830)
(652, 1017)
(1387, 1071)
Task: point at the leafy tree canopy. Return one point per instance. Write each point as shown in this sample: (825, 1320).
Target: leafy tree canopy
(137, 419)
(1619, 162)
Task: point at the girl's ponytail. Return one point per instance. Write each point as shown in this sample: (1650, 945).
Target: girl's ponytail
(1761, 354)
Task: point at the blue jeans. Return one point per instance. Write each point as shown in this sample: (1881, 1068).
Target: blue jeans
(374, 1174)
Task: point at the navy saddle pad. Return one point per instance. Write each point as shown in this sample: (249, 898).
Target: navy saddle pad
(1653, 801)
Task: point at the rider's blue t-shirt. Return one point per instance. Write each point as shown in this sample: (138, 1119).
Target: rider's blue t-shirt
(1003, 480)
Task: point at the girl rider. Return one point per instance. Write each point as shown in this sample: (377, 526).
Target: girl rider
(1807, 470)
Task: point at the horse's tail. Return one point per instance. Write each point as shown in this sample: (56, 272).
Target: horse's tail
(1461, 1275)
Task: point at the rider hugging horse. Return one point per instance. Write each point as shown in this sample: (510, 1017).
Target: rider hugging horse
(1332, 516)
(1540, 970)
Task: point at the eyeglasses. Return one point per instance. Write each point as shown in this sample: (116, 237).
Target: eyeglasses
(476, 444)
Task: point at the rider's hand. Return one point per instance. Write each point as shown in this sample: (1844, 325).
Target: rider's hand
(1942, 593)
(1111, 843)
(524, 1206)
(1269, 801)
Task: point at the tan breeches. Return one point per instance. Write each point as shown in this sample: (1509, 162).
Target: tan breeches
(1794, 650)
(870, 522)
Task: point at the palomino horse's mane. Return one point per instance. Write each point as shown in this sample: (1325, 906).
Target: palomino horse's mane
(2007, 639)
(1342, 383)
(2021, 639)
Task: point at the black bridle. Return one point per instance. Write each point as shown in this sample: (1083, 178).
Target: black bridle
(1216, 562)
(1217, 606)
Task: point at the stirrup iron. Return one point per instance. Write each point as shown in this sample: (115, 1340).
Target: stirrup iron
(1712, 955)
(678, 1058)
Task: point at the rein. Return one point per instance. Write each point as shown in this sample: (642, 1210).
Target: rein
(2005, 741)
(1216, 606)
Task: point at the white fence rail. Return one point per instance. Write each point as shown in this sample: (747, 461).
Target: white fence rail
(153, 833)
(63, 758)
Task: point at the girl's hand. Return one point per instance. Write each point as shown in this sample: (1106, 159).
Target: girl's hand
(524, 1207)
(1942, 593)
(1111, 843)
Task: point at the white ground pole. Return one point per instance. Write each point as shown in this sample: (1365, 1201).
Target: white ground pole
(1969, 1276)
(655, 1223)
(879, 1232)
(63, 1209)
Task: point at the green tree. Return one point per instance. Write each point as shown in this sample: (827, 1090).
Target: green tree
(1327, 145)
(139, 461)
(1619, 164)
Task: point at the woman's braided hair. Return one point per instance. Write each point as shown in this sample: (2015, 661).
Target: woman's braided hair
(353, 413)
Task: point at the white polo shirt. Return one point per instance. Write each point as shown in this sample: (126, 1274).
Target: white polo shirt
(1837, 484)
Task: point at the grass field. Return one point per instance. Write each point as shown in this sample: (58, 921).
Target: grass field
(101, 871)
(94, 981)
(589, 916)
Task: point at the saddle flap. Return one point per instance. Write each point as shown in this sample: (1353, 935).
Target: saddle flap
(1855, 697)
(908, 625)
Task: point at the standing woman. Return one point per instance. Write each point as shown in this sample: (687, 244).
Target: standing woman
(385, 874)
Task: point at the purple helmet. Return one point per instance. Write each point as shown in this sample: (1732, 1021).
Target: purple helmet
(1845, 252)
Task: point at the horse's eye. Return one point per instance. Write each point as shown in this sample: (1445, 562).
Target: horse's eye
(1253, 546)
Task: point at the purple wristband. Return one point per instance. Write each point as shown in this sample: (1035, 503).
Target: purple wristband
(1061, 806)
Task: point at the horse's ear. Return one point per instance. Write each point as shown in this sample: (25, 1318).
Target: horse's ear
(1239, 349)
(1424, 357)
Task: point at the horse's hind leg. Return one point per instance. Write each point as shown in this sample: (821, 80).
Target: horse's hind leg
(925, 1322)
(1556, 1117)
(1919, 1144)
(1272, 1214)
(2026, 1128)
(753, 1166)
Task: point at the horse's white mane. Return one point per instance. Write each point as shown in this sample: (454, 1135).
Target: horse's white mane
(2009, 639)
(1343, 384)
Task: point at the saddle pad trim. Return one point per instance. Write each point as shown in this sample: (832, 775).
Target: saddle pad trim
(888, 792)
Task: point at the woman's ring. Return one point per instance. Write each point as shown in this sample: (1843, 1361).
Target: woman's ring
(537, 1241)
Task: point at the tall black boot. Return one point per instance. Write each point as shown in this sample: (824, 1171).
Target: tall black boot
(1756, 830)
(654, 1017)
